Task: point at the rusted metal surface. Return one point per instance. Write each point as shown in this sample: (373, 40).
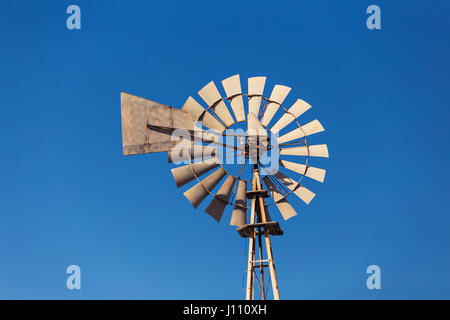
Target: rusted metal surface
(137, 113)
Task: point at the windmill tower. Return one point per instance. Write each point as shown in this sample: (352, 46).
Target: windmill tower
(197, 137)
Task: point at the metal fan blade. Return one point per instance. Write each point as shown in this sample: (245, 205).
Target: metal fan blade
(311, 172)
(239, 216)
(185, 153)
(198, 113)
(282, 204)
(319, 150)
(316, 173)
(138, 113)
(217, 206)
(200, 191)
(255, 87)
(232, 86)
(297, 167)
(306, 130)
(212, 97)
(303, 193)
(297, 109)
(187, 173)
(278, 95)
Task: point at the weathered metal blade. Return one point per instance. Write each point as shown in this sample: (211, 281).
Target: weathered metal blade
(187, 173)
(278, 95)
(217, 206)
(200, 191)
(239, 216)
(316, 173)
(198, 113)
(138, 113)
(255, 87)
(212, 97)
(232, 86)
(319, 150)
(283, 205)
(306, 130)
(303, 193)
(297, 109)
(311, 172)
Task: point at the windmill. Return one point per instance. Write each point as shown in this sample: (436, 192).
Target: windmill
(197, 138)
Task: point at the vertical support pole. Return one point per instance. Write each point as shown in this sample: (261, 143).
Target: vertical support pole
(251, 250)
(261, 258)
(273, 272)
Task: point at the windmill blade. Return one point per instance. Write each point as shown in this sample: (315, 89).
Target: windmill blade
(278, 95)
(199, 192)
(319, 150)
(239, 216)
(198, 113)
(311, 172)
(217, 206)
(232, 86)
(303, 193)
(316, 173)
(212, 97)
(306, 130)
(255, 87)
(296, 167)
(194, 152)
(137, 113)
(187, 173)
(297, 109)
(283, 205)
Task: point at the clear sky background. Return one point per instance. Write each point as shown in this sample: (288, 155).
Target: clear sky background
(69, 196)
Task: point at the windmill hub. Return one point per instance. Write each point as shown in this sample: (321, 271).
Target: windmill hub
(255, 148)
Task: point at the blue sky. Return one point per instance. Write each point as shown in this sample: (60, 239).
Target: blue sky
(69, 196)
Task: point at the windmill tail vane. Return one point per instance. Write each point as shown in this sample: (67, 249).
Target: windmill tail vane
(248, 146)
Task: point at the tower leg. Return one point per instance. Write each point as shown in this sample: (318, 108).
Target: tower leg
(261, 266)
(258, 214)
(251, 252)
(273, 272)
(250, 277)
